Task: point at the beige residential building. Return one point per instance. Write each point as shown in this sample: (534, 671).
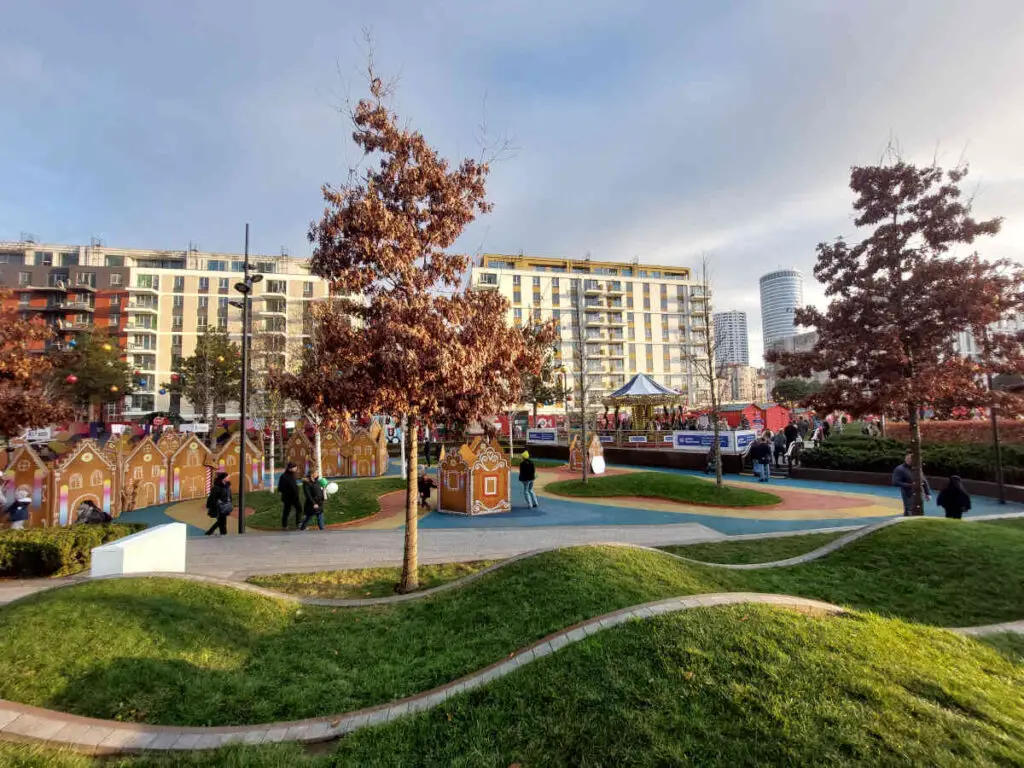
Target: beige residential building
(743, 384)
(635, 317)
(156, 303)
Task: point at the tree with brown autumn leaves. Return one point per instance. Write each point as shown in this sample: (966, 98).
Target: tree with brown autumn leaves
(418, 346)
(900, 296)
(28, 395)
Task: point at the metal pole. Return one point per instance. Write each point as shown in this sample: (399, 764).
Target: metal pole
(994, 416)
(245, 388)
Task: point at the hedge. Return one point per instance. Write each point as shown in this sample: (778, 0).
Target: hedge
(38, 552)
(960, 432)
(974, 462)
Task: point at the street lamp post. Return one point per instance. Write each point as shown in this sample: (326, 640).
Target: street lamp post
(244, 288)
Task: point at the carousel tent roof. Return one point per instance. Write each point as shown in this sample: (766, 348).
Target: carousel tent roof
(642, 385)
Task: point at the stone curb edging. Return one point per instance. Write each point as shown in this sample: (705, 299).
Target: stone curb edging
(243, 586)
(20, 722)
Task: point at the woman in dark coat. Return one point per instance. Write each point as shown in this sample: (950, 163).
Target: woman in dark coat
(954, 499)
(218, 504)
(314, 494)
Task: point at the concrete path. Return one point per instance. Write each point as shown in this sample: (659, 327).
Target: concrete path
(243, 556)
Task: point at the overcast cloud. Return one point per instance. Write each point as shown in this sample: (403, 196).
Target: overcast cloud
(650, 130)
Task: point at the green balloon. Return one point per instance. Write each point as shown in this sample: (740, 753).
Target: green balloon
(323, 482)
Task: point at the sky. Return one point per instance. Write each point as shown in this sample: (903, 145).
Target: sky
(662, 131)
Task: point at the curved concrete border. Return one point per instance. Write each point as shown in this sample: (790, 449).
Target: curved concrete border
(20, 722)
(816, 554)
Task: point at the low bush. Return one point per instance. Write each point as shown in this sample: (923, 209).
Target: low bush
(39, 552)
(960, 432)
(970, 461)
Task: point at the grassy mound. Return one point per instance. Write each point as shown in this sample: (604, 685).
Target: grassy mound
(364, 582)
(662, 485)
(738, 686)
(747, 551)
(354, 500)
(194, 654)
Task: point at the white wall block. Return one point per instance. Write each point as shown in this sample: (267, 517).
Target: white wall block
(155, 549)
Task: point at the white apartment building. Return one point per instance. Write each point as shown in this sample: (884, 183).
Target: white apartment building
(635, 317)
(731, 342)
(156, 302)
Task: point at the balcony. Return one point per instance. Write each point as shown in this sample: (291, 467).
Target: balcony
(615, 354)
(591, 287)
(58, 286)
(616, 322)
(480, 286)
(272, 311)
(147, 289)
(274, 289)
(137, 306)
(82, 287)
(615, 290)
(594, 320)
(136, 347)
(75, 327)
(133, 328)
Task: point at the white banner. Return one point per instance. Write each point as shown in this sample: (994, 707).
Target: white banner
(732, 442)
(194, 428)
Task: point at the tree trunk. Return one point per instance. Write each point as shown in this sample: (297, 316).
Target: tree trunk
(917, 503)
(319, 453)
(401, 444)
(271, 455)
(534, 414)
(410, 565)
(511, 424)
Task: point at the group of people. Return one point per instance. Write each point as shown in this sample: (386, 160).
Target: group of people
(954, 500)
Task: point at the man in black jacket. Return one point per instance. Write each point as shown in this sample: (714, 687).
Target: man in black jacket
(761, 455)
(314, 493)
(791, 432)
(288, 487)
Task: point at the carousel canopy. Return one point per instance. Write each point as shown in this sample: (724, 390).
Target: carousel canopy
(643, 389)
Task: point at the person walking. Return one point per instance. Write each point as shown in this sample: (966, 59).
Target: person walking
(903, 478)
(954, 499)
(791, 432)
(288, 487)
(314, 494)
(826, 429)
(781, 443)
(761, 455)
(17, 513)
(527, 475)
(218, 504)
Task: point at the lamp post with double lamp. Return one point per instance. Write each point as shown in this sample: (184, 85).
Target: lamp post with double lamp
(244, 287)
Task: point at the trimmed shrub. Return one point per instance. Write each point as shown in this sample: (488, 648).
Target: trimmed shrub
(39, 552)
(960, 432)
(973, 462)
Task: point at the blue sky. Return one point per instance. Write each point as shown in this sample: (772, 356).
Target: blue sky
(643, 129)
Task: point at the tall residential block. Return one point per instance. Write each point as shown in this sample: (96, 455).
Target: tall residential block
(782, 293)
(632, 317)
(731, 346)
(155, 303)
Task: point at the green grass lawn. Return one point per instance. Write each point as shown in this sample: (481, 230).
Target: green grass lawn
(736, 686)
(754, 550)
(355, 499)
(196, 654)
(662, 485)
(364, 582)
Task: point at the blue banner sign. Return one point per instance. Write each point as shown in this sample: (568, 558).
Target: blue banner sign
(638, 438)
(542, 436)
(731, 442)
(607, 438)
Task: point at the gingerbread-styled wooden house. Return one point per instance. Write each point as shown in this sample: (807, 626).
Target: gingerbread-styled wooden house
(27, 472)
(475, 480)
(144, 473)
(331, 453)
(300, 451)
(83, 473)
(362, 456)
(189, 469)
(227, 460)
(170, 440)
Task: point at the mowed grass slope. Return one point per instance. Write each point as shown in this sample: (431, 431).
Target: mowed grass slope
(176, 652)
(663, 485)
(732, 686)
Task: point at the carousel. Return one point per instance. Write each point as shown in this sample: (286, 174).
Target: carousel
(642, 395)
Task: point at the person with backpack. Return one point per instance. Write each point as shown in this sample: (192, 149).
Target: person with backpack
(527, 476)
(288, 487)
(314, 494)
(761, 455)
(954, 499)
(218, 504)
(17, 513)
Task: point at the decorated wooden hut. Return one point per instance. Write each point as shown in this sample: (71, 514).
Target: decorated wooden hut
(475, 480)
(189, 469)
(331, 457)
(365, 455)
(642, 395)
(26, 471)
(170, 440)
(82, 474)
(144, 473)
(299, 450)
(227, 460)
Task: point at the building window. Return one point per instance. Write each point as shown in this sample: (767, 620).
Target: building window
(69, 259)
(307, 290)
(179, 284)
(177, 301)
(113, 261)
(148, 281)
(217, 266)
(75, 482)
(177, 322)
(222, 285)
(116, 280)
(536, 282)
(44, 258)
(96, 479)
(238, 266)
(114, 321)
(488, 278)
(24, 278)
(517, 315)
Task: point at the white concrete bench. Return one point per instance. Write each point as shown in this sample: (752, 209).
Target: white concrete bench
(155, 549)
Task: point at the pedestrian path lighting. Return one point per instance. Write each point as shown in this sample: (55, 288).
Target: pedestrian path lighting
(244, 287)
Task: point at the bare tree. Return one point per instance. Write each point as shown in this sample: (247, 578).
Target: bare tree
(707, 368)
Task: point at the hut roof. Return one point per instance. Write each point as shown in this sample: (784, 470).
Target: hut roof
(735, 407)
